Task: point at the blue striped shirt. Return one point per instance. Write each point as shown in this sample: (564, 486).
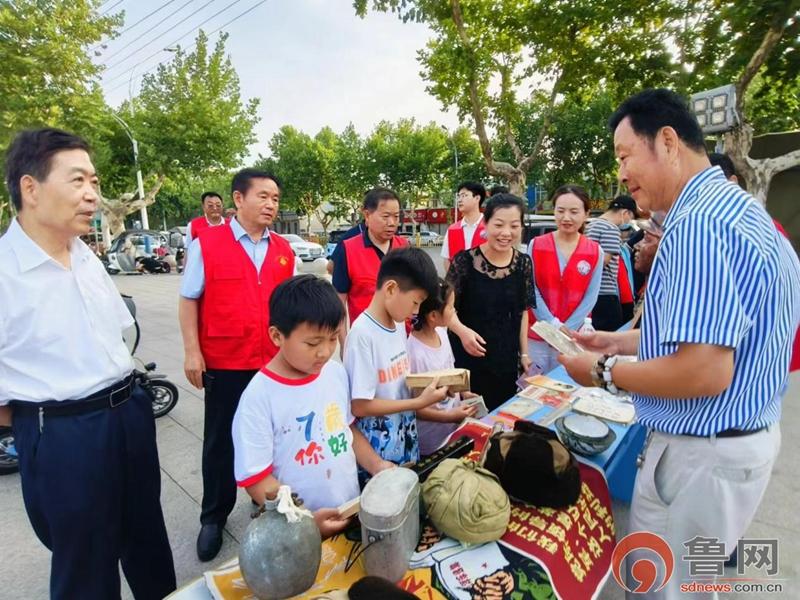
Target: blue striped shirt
(723, 275)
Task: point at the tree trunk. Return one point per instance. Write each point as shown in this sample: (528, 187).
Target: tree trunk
(116, 209)
(757, 173)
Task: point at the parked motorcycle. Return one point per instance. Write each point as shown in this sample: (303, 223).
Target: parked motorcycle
(163, 395)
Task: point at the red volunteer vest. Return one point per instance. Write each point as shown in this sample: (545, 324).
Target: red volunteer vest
(794, 365)
(362, 268)
(624, 283)
(200, 224)
(234, 307)
(562, 292)
(455, 238)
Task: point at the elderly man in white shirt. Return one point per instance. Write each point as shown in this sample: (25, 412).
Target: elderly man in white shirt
(84, 433)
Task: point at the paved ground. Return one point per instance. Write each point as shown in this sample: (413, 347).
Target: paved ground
(24, 564)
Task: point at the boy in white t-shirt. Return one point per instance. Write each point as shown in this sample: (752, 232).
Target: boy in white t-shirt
(293, 425)
(376, 357)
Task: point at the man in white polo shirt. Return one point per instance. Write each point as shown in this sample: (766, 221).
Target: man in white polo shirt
(84, 432)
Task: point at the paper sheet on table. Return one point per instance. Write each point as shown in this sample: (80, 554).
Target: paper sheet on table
(604, 406)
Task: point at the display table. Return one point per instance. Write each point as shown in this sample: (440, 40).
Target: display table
(619, 460)
(545, 553)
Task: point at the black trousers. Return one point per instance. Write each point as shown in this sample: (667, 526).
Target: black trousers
(223, 389)
(607, 313)
(91, 485)
(495, 387)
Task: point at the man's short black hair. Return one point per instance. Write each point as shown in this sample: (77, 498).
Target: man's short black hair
(411, 268)
(475, 188)
(498, 189)
(499, 201)
(724, 162)
(651, 110)
(241, 181)
(377, 195)
(209, 195)
(31, 153)
(305, 299)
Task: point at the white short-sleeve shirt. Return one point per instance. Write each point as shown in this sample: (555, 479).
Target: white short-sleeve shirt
(60, 329)
(298, 430)
(376, 359)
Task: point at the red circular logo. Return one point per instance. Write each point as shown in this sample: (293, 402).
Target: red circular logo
(645, 570)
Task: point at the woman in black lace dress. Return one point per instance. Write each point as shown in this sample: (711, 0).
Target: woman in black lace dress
(493, 284)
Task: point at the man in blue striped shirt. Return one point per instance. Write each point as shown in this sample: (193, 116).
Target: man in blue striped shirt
(722, 303)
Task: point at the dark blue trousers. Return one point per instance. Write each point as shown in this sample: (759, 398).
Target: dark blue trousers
(92, 485)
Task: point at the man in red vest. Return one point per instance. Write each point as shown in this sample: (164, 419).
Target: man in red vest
(469, 231)
(230, 273)
(356, 260)
(211, 217)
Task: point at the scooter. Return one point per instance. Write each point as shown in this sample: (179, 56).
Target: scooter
(163, 395)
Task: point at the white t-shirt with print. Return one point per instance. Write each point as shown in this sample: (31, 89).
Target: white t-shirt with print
(298, 431)
(376, 359)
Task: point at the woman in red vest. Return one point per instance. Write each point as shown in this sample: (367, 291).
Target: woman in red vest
(567, 270)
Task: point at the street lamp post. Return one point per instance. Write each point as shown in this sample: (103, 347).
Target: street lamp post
(455, 155)
(139, 182)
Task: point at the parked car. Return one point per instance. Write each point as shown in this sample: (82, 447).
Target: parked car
(426, 238)
(305, 251)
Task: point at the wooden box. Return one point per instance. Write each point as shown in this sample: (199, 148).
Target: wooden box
(457, 380)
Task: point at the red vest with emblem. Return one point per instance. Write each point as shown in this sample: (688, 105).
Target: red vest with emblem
(561, 292)
(234, 307)
(362, 268)
(455, 238)
(200, 224)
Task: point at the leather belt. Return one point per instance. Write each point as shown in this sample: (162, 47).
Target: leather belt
(110, 397)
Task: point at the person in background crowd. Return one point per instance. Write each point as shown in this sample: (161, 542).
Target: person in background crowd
(356, 260)
(493, 283)
(607, 313)
(724, 162)
(567, 269)
(498, 189)
(355, 230)
(84, 431)
(714, 347)
(652, 230)
(211, 217)
(224, 318)
(469, 231)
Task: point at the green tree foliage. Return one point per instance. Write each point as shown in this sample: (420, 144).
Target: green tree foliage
(489, 57)
(189, 115)
(47, 77)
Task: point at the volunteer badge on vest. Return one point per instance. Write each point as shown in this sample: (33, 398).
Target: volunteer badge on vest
(584, 267)
(283, 261)
(483, 234)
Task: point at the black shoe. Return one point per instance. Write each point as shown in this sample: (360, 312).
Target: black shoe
(209, 541)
